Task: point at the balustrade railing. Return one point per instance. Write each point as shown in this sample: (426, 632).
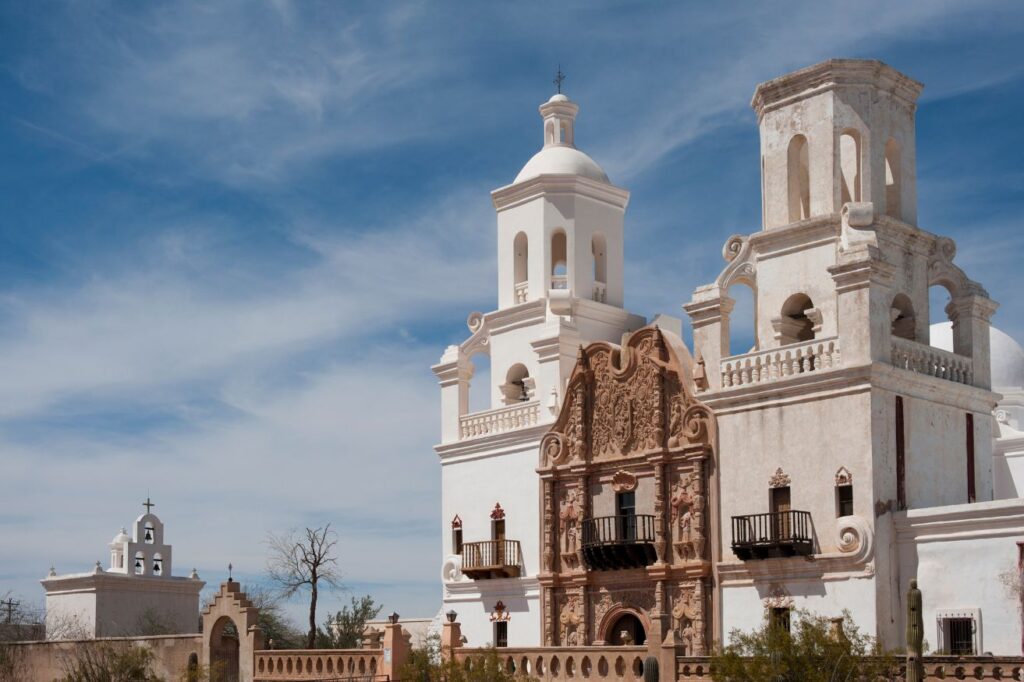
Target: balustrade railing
(600, 292)
(784, 533)
(934, 362)
(614, 530)
(559, 281)
(522, 292)
(319, 664)
(499, 420)
(558, 664)
(779, 363)
(491, 559)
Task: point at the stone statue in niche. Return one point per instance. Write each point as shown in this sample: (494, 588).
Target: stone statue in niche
(574, 430)
(571, 618)
(570, 521)
(687, 503)
(688, 618)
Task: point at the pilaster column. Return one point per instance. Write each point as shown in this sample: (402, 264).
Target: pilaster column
(453, 372)
(863, 297)
(709, 315)
(970, 315)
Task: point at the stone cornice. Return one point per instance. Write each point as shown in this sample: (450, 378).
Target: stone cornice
(479, 589)
(541, 185)
(995, 519)
(92, 582)
(832, 74)
(495, 445)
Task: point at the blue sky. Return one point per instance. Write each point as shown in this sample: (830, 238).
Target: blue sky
(235, 235)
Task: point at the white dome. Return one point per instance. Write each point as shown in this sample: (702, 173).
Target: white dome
(120, 538)
(1007, 354)
(561, 160)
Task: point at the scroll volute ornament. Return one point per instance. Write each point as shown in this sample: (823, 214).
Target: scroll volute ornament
(624, 482)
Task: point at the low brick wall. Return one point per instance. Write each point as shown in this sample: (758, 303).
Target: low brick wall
(318, 664)
(46, 661)
(556, 664)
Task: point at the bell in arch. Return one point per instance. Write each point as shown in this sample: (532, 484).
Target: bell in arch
(156, 567)
(138, 565)
(149, 534)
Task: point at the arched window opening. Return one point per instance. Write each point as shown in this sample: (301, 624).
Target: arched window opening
(800, 320)
(742, 320)
(849, 164)
(549, 133)
(158, 564)
(518, 386)
(148, 536)
(627, 631)
(559, 261)
(799, 179)
(566, 137)
(902, 316)
(942, 332)
(598, 247)
(480, 383)
(140, 563)
(892, 179)
(521, 249)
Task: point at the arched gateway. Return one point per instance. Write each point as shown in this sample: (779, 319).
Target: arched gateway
(627, 470)
(231, 634)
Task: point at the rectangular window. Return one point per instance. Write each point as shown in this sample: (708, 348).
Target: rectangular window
(625, 510)
(457, 541)
(970, 458)
(901, 465)
(959, 634)
(780, 618)
(844, 500)
(501, 633)
(782, 523)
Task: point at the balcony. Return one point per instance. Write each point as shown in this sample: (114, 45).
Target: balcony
(491, 559)
(774, 364)
(775, 534)
(499, 420)
(616, 542)
(934, 362)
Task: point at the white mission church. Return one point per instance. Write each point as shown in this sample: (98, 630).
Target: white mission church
(624, 486)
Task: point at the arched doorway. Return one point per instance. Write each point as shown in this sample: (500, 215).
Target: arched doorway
(224, 647)
(627, 630)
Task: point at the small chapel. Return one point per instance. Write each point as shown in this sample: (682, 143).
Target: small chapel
(135, 594)
(626, 487)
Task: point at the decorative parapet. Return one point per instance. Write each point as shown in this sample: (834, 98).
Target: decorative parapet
(566, 663)
(600, 292)
(934, 362)
(499, 420)
(780, 363)
(522, 292)
(317, 664)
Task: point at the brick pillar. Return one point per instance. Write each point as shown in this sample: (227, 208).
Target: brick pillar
(451, 639)
(453, 373)
(970, 315)
(396, 649)
(863, 298)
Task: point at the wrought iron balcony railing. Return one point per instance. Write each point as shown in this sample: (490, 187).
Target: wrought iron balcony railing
(615, 542)
(491, 559)
(775, 534)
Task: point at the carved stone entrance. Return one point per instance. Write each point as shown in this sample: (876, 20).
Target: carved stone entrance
(628, 478)
(231, 634)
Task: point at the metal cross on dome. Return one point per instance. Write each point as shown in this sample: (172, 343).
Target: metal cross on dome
(559, 78)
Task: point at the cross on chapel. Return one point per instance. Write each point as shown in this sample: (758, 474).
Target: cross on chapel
(147, 504)
(559, 78)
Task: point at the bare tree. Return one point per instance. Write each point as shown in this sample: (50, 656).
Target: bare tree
(300, 561)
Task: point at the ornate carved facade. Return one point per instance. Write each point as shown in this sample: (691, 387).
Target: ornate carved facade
(628, 471)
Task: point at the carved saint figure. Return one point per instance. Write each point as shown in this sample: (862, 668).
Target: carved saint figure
(687, 503)
(574, 430)
(688, 617)
(571, 618)
(570, 519)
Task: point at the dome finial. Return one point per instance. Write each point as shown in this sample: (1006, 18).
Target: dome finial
(559, 78)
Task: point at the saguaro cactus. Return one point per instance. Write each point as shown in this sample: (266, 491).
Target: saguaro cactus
(915, 633)
(650, 669)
